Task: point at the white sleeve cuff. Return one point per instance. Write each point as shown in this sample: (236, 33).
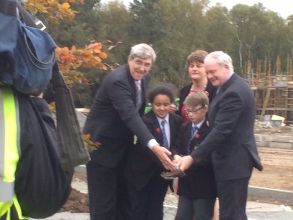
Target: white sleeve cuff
(152, 143)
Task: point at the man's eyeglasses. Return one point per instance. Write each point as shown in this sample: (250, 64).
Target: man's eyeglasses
(193, 110)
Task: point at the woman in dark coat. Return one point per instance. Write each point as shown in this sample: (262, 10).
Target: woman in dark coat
(198, 76)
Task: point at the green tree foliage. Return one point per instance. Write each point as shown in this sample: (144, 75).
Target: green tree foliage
(220, 32)
(146, 24)
(80, 31)
(259, 31)
(115, 20)
(183, 26)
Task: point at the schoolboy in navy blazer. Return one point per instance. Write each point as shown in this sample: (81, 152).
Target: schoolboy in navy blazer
(147, 188)
(197, 189)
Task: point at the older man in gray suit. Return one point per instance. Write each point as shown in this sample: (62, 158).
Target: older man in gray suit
(231, 141)
(114, 119)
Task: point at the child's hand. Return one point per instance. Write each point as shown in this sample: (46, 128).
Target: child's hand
(177, 160)
(185, 163)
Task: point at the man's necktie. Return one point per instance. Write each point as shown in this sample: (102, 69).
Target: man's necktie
(138, 94)
(165, 140)
(193, 131)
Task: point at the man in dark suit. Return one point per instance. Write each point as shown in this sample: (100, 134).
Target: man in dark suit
(231, 141)
(114, 119)
(147, 189)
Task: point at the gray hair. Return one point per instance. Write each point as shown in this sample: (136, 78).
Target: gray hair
(221, 58)
(142, 51)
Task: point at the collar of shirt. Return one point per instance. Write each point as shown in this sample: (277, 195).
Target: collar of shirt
(198, 125)
(138, 83)
(161, 119)
(226, 80)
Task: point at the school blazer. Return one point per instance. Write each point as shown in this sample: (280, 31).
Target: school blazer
(199, 181)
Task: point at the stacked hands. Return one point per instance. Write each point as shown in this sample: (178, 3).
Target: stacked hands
(176, 165)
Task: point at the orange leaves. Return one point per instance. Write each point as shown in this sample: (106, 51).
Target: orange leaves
(89, 57)
(65, 55)
(92, 56)
(103, 55)
(70, 60)
(65, 6)
(95, 47)
(53, 10)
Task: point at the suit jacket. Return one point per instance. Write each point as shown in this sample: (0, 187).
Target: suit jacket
(142, 164)
(231, 139)
(199, 181)
(114, 117)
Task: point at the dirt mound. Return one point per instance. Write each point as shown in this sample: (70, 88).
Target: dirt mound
(76, 203)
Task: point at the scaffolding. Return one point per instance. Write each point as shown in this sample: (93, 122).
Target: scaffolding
(273, 92)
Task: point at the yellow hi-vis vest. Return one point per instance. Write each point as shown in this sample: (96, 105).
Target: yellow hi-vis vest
(9, 151)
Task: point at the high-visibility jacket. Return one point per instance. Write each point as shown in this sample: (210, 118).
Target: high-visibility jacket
(9, 153)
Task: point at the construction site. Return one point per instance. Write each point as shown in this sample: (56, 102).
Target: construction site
(273, 90)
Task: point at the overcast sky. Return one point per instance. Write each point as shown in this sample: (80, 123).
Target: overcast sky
(283, 7)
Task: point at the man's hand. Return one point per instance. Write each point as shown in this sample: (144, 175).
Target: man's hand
(164, 156)
(186, 162)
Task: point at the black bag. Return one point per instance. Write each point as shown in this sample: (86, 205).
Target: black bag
(41, 184)
(73, 151)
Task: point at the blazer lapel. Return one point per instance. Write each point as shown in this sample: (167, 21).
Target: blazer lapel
(228, 83)
(203, 130)
(144, 83)
(218, 96)
(200, 134)
(188, 134)
(172, 129)
(143, 88)
(131, 83)
(156, 128)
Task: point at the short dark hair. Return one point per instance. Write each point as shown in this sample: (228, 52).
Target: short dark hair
(196, 56)
(195, 99)
(160, 90)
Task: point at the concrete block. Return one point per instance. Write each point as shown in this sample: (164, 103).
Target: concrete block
(280, 145)
(281, 138)
(268, 193)
(262, 144)
(267, 138)
(258, 137)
